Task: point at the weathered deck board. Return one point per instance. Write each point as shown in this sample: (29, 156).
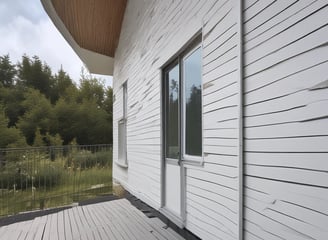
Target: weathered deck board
(68, 231)
(135, 231)
(88, 232)
(116, 219)
(61, 225)
(153, 225)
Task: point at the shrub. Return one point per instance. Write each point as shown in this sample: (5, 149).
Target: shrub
(86, 159)
(20, 176)
(104, 158)
(48, 176)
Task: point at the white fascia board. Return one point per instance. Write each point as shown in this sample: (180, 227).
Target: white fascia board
(95, 62)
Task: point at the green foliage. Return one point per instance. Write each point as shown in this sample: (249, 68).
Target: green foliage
(85, 121)
(91, 89)
(38, 138)
(93, 126)
(108, 107)
(86, 159)
(53, 140)
(7, 71)
(18, 175)
(32, 179)
(12, 99)
(67, 119)
(46, 168)
(35, 74)
(38, 114)
(10, 136)
(42, 109)
(108, 102)
(62, 86)
(48, 175)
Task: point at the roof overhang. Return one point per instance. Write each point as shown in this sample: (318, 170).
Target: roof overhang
(91, 27)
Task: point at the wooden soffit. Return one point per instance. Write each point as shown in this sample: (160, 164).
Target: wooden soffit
(95, 25)
(91, 27)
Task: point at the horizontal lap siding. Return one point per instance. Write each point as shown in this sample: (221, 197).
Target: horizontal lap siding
(286, 119)
(212, 190)
(133, 63)
(153, 32)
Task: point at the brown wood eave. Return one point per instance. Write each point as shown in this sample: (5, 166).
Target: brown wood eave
(95, 25)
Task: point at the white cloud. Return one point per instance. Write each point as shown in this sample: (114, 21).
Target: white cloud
(29, 31)
(29, 9)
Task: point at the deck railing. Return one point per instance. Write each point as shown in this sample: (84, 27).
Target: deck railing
(46, 177)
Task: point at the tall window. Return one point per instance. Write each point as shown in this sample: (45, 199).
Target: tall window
(172, 112)
(192, 103)
(183, 107)
(122, 153)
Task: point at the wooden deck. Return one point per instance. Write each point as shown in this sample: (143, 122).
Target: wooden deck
(116, 219)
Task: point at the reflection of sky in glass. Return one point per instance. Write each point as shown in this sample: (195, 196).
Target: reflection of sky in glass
(174, 83)
(192, 72)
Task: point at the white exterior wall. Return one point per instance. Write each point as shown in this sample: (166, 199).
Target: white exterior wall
(212, 190)
(286, 124)
(153, 32)
(285, 113)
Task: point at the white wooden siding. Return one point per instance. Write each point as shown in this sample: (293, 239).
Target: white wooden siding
(148, 28)
(153, 33)
(286, 133)
(285, 113)
(212, 191)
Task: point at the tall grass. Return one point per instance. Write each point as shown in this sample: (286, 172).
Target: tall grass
(39, 179)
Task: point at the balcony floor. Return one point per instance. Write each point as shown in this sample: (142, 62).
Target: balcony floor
(116, 219)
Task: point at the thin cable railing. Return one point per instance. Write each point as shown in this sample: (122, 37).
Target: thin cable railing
(45, 177)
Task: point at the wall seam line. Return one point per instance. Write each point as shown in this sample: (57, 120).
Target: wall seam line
(240, 54)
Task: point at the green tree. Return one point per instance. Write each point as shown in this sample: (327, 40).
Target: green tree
(108, 102)
(7, 71)
(10, 137)
(39, 114)
(24, 71)
(53, 140)
(61, 83)
(108, 107)
(38, 138)
(50, 109)
(93, 127)
(35, 74)
(12, 99)
(91, 89)
(66, 120)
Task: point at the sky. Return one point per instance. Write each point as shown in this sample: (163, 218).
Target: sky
(25, 28)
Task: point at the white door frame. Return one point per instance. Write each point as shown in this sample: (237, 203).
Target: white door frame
(177, 217)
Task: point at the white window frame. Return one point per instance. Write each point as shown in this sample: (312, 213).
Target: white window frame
(183, 157)
(121, 135)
